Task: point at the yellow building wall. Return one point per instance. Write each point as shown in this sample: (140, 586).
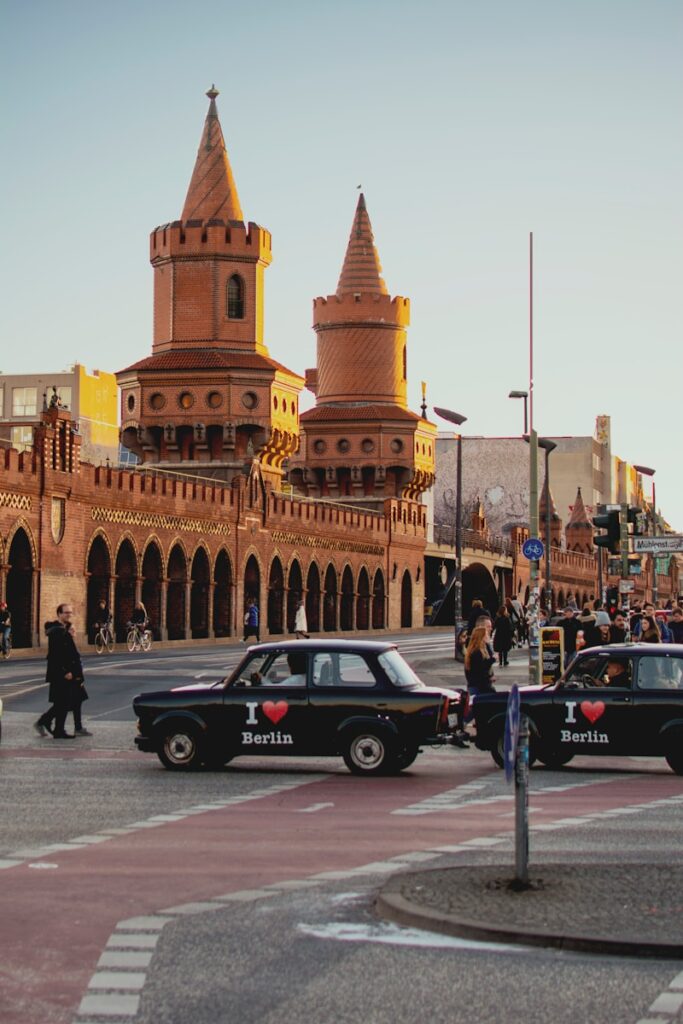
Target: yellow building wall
(98, 405)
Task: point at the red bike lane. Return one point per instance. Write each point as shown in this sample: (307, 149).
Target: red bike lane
(56, 920)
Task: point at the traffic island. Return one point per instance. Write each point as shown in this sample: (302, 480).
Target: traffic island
(628, 910)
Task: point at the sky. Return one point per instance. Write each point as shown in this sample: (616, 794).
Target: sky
(468, 125)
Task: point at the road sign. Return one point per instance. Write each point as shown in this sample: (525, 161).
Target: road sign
(511, 732)
(627, 586)
(664, 545)
(533, 549)
(552, 653)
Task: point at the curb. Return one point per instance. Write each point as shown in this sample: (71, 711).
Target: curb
(391, 905)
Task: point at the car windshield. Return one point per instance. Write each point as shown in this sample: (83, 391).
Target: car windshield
(399, 671)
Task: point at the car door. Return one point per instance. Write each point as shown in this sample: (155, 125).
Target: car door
(266, 708)
(590, 716)
(343, 686)
(658, 697)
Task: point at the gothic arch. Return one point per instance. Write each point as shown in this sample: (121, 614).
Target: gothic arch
(363, 600)
(330, 599)
(176, 572)
(222, 594)
(406, 600)
(127, 538)
(178, 542)
(348, 597)
(21, 524)
(152, 572)
(98, 570)
(313, 598)
(252, 580)
(276, 594)
(126, 572)
(101, 535)
(19, 585)
(378, 600)
(295, 590)
(200, 574)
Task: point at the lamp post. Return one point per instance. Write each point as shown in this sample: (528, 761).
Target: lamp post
(548, 446)
(647, 471)
(525, 396)
(458, 420)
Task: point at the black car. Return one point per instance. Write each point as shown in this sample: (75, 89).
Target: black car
(303, 697)
(623, 699)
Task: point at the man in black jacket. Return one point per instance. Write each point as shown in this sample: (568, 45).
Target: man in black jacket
(571, 626)
(63, 666)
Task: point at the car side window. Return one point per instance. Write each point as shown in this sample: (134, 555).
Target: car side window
(277, 668)
(660, 673)
(338, 669)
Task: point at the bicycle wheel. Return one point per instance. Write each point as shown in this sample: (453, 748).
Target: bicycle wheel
(7, 649)
(133, 640)
(109, 640)
(99, 642)
(146, 640)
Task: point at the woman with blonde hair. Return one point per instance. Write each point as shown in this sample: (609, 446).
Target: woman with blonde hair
(479, 664)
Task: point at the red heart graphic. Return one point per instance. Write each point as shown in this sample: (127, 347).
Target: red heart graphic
(592, 710)
(275, 711)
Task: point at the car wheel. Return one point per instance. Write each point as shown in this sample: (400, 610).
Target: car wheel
(370, 753)
(555, 758)
(179, 748)
(674, 759)
(407, 756)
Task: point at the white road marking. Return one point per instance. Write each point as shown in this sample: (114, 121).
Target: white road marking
(395, 936)
(313, 808)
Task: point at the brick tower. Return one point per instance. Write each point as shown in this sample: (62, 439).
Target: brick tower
(361, 443)
(210, 400)
(579, 529)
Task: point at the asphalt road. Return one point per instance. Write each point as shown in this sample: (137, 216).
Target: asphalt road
(130, 894)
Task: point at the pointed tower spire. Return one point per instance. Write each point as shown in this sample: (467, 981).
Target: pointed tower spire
(579, 529)
(579, 516)
(212, 193)
(362, 270)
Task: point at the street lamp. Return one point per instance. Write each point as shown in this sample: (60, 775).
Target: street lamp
(647, 471)
(525, 396)
(455, 417)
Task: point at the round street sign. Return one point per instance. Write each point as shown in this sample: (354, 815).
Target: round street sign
(533, 549)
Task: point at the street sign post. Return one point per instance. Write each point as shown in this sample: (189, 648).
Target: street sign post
(665, 544)
(533, 549)
(511, 732)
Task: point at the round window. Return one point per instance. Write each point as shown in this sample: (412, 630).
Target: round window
(130, 402)
(186, 400)
(249, 400)
(396, 445)
(367, 444)
(157, 400)
(343, 445)
(214, 399)
(319, 446)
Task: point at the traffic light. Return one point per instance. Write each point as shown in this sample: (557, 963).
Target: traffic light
(608, 521)
(612, 596)
(639, 520)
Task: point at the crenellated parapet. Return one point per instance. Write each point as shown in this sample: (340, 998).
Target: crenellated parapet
(215, 238)
(361, 307)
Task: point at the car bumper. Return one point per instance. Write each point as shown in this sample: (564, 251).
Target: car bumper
(146, 744)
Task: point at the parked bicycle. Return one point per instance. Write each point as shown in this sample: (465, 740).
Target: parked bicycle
(7, 645)
(139, 638)
(104, 641)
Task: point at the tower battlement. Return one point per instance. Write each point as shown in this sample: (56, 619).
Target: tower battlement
(361, 307)
(202, 238)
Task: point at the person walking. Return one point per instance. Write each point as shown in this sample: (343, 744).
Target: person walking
(5, 624)
(479, 662)
(63, 671)
(676, 625)
(502, 636)
(588, 623)
(300, 623)
(618, 631)
(251, 621)
(569, 624)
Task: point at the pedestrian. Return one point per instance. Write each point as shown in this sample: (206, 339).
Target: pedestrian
(676, 625)
(502, 636)
(479, 662)
(476, 611)
(618, 631)
(300, 623)
(64, 670)
(649, 630)
(251, 621)
(5, 625)
(514, 620)
(570, 626)
(588, 623)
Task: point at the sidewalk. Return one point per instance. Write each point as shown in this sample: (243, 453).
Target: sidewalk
(620, 909)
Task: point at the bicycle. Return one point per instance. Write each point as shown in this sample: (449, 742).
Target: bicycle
(7, 646)
(138, 639)
(104, 641)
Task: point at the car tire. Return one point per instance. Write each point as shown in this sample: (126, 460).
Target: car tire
(497, 750)
(370, 752)
(407, 756)
(179, 747)
(555, 758)
(674, 759)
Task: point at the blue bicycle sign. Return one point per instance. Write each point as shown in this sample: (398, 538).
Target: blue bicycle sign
(533, 549)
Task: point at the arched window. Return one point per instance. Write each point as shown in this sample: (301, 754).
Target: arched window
(235, 298)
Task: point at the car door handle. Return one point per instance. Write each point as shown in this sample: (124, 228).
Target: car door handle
(621, 700)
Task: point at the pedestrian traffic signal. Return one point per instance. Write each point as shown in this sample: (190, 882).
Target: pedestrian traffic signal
(608, 521)
(639, 520)
(612, 601)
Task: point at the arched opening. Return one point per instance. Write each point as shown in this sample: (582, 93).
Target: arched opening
(347, 595)
(294, 593)
(330, 601)
(561, 603)
(175, 594)
(99, 576)
(363, 601)
(19, 592)
(378, 602)
(252, 582)
(222, 596)
(276, 597)
(477, 582)
(152, 572)
(199, 595)
(235, 298)
(313, 599)
(124, 590)
(406, 601)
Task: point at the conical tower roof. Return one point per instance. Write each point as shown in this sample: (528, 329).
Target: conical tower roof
(543, 504)
(212, 193)
(579, 516)
(362, 270)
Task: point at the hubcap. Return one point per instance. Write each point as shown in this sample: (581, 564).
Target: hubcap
(180, 748)
(367, 751)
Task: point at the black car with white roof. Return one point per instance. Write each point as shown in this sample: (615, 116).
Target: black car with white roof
(618, 699)
(357, 699)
